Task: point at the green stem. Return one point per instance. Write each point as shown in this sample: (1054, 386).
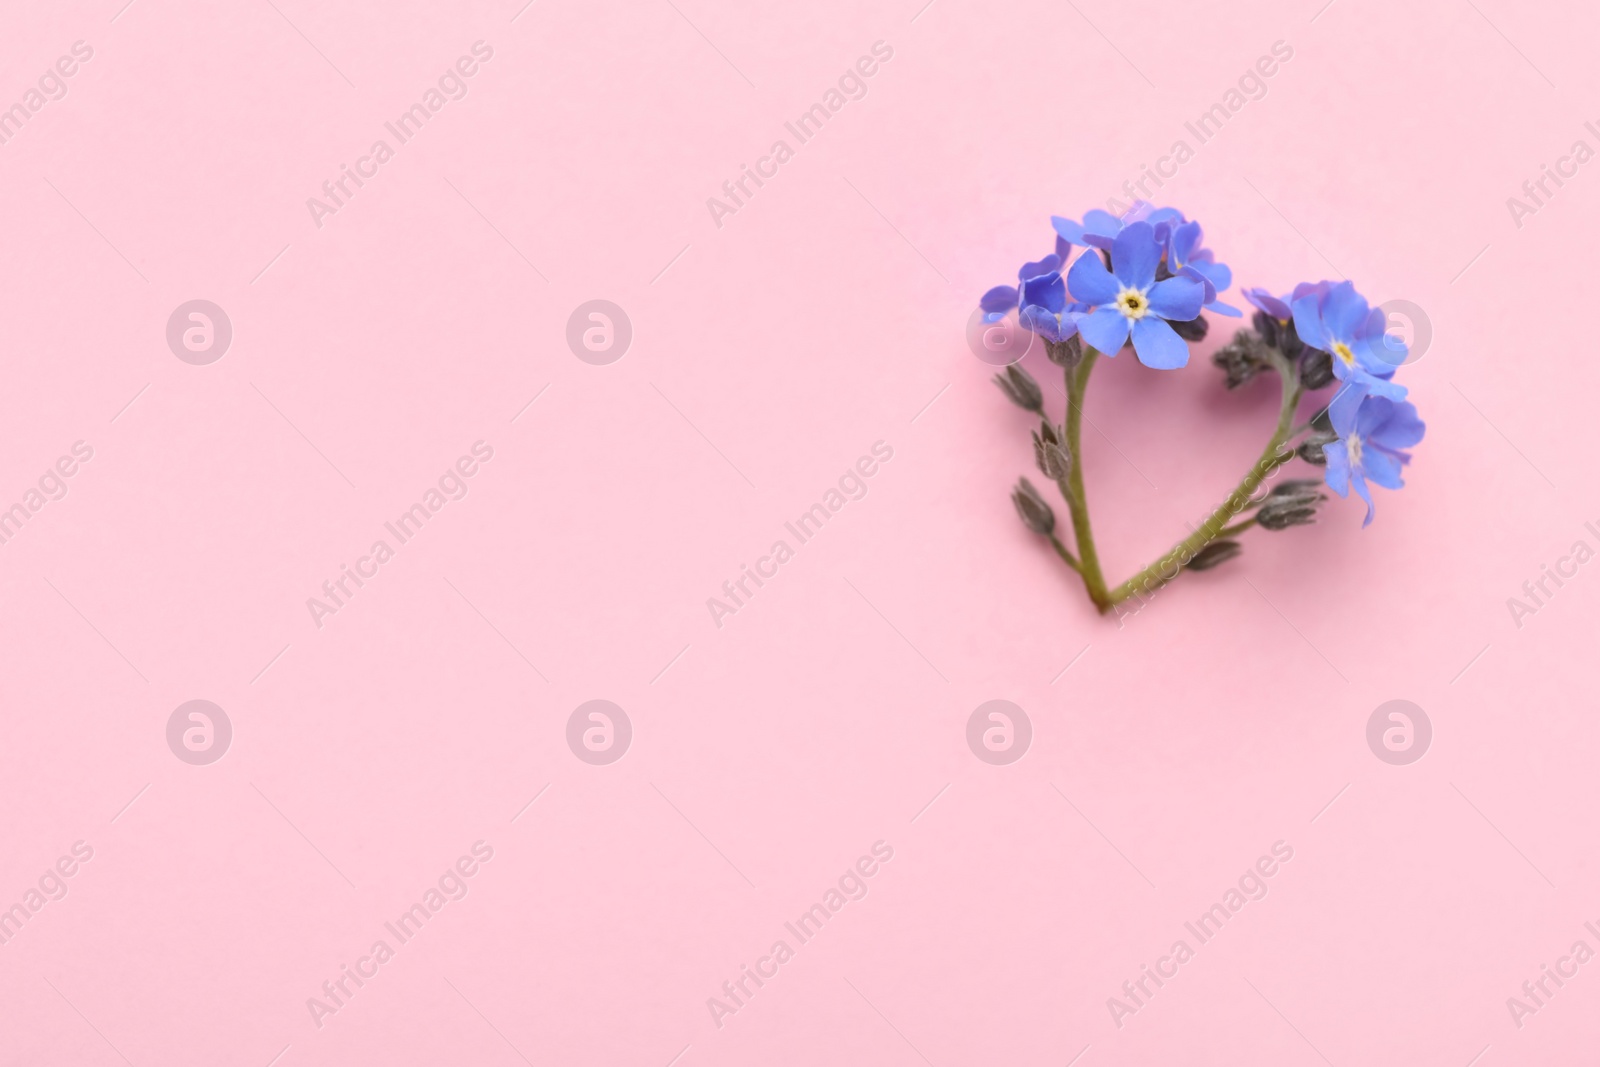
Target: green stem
(1061, 550)
(1236, 528)
(1272, 457)
(1094, 582)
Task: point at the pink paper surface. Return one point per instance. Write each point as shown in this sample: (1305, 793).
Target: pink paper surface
(419, 727)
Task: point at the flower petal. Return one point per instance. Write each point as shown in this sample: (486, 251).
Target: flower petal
(1398, 427)
(1105, 330)
(1069, 229)
(1210, 290)
(1384, 350)
(1345, 407)
(1177, 298)
(1365, 494)
(1054, 327)
(1185, 242)
(1100, 229)
(1134, 256)
(1345, 312)
(1272, 305)
(1382, 467)
(1338, 473)
(1044, 266)
(1308, 323)
(1046, 290)
(1359, 375)
(1090, 281)
(1158, 345)
(1000, 298)
(1218, 274)
(1103, 223)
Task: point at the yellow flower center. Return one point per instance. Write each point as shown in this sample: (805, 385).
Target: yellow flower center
(1343, 351)
(1133, 303)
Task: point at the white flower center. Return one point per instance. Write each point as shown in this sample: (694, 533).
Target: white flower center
(1352, 445)
(1133, 303)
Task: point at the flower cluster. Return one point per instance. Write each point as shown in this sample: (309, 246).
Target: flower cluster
(1147, 272)
(1141, 280)
(1369, 423)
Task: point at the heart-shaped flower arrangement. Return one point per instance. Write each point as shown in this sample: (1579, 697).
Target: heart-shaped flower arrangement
(1142, 281)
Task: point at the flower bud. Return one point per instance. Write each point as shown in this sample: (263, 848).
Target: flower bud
(1066, 354)
(1316, 368)
(1194, 329)
(1020, 388)
(1289, 342)
(1241, 358)
(1267, 327)
(1281, 518)
(1311, 451)
(1032, 509)
(1294, 503)
(1052, 459)
(1295, 487)
(1214, 554)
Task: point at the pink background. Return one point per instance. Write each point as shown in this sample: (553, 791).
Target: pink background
(768, 354)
